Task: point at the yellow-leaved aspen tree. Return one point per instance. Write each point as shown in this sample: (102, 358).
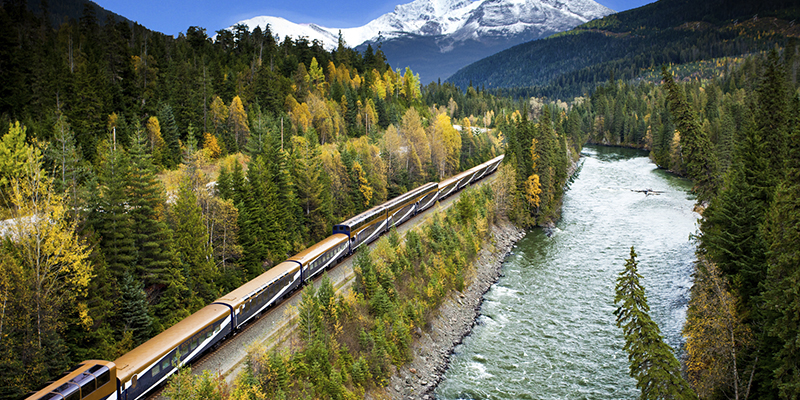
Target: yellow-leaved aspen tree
(237, 121)
(533, 187)
(53, 258)
(418, 147)
(153, 128)
(715, 337)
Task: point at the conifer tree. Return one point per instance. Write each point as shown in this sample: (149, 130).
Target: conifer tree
(171, 153)
(287, 205)
(260, 231)
(69, 170)
(151, 235)
(730, 228)
(192, 244)
(109, 217)
(238, 184)
(224, 187)
(134, 311)
(696, 150)
(772, 117)
(652, 361)
(782, 301)
(310, 315)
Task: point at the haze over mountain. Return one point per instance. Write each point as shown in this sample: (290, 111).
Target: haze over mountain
(437, 37)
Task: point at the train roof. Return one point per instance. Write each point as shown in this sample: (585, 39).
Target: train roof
(236, 297)
(69, 375)
(454, 178)
(306, 256)
(411, 193)
(134, 361)
(364, 215)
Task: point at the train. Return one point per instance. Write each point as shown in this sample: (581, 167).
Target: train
(137, 373)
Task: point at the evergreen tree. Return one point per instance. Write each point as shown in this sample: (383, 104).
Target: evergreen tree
(134, 311)
(652, 361)
(730, 228)
(152, 237)
(261, 233)
(171, 154)
(109, 217)
(782, 301)
(287, 205)
(224, 185)
(192, 244)
(772, 117)
(696, 150)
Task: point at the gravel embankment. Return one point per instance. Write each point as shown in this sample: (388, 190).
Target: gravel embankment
(455, 318)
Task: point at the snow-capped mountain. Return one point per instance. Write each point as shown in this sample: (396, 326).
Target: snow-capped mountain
(437, 37)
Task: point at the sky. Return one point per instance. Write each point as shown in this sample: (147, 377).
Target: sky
(174, 16)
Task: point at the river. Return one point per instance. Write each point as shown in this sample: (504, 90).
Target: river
(547, 329)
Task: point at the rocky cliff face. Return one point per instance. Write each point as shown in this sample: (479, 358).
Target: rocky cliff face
(437, 37)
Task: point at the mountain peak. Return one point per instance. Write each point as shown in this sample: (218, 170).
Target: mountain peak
(423, 30)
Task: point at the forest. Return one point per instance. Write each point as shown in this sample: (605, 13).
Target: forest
(736, 137)
(629, 44)
(143, 176)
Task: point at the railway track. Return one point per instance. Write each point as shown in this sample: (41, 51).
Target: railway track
(276, 324)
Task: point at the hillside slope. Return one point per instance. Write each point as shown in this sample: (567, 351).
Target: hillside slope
(626, 44)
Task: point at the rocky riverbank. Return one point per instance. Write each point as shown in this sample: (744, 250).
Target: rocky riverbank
(434, 344)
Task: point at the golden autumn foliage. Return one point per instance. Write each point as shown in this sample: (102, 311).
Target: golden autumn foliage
(532, 190)
(415, 141)
(299, 114)
(315, 77)
(53, 259)
(211, 145)
(445, 144)
(715, 334)
(218, 113)
(363, 184)
(153, 129)
(237, 121)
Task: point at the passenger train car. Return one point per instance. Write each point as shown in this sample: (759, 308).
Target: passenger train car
(135, 374)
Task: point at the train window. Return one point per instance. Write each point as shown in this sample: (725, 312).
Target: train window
(101, 373)
(165, 363)
(184, 348)
(156, 369)
(86, 382)
(70, 392)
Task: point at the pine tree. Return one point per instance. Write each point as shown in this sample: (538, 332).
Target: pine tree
(772, 117)
(696, 151)
(310, 315)
(152, 237)
(782, 301)
(260, 231)
(730, 228)
(171, 153)
(192, 244)
(134, 311)
(652, 361)
(287, 206)
(109, 217)
(224, 187)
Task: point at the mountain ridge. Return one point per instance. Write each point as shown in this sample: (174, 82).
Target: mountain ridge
(626, 44)
(417, 34)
